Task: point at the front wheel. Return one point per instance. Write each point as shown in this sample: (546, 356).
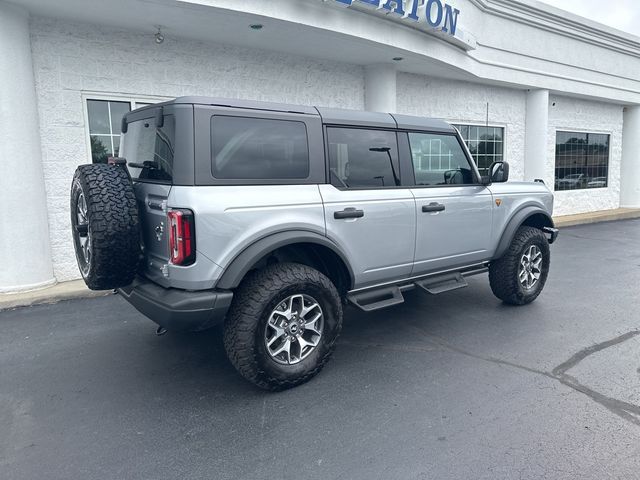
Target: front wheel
(283, 325)
(519, 276)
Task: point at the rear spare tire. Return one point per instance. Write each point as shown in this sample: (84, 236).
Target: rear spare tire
(105, 226)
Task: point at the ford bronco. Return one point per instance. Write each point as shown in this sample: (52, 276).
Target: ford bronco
(269, 218)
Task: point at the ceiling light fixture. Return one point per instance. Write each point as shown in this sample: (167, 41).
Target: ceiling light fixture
(159, 36)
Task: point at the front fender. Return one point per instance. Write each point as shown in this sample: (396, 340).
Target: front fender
(519, 218)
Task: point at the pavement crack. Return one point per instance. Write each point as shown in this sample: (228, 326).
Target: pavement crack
(625, 410)
(585, 352)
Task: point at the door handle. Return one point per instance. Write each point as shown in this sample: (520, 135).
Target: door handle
(433, 207)
(348, 213)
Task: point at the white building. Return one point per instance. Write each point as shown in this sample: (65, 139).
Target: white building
(554, 94)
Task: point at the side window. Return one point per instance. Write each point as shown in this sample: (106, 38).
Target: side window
(258, 148)
(361, 158)
(149, 149)
(439, 160)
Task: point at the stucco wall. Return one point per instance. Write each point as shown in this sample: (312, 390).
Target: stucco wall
(71, 58)
(571, 114)
(466, 102)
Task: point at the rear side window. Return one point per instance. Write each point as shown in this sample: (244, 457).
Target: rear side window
(258, 148)
(149, 150)
(360, 158)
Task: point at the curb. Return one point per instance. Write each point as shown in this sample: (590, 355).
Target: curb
(53, 294)
(596, 217)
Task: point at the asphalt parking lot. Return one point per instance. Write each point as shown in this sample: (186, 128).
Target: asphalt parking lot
(454, 386)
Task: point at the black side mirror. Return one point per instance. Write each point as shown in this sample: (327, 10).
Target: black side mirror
(499, 172)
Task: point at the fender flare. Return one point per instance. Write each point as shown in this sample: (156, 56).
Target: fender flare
(517, 219)
(242, 263)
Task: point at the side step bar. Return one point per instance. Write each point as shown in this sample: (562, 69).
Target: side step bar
(442, 283)
(385, 296)
(376, 299)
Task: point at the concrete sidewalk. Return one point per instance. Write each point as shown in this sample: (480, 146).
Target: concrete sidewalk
(596, 217)
(56, 293)
(77, 288)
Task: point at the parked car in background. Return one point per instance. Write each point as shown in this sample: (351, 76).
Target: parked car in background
(571, 181)
(597, 182)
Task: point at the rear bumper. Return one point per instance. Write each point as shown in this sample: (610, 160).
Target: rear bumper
(552, 232)
(176, 309)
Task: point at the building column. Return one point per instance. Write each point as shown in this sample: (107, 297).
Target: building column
(536, 134)
(380, 88)
(630, 168)
(24, 228)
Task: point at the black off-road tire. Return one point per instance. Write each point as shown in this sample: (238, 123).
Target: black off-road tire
(503, 273)
(111, 226)
(244, 329)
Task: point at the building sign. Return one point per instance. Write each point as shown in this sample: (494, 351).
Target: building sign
(434, 16)
(436, 13)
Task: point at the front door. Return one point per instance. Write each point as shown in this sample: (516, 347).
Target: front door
(453, 210)
(367, 213)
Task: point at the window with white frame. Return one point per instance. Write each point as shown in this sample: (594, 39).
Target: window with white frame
(105, 119)
(486, 144)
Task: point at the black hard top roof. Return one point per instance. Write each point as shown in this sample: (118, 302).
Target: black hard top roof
(333, 116)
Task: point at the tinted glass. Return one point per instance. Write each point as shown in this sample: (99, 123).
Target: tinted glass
(582, 160)
(149, 150)
(258, 148)
(363, 158)
(439, 160)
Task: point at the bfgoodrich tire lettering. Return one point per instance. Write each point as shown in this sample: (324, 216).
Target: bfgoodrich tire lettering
(254, 302)
(505, 273)
(105, 226)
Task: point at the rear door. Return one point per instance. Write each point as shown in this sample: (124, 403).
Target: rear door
(149, 150)
(453, 210)
(367, 211)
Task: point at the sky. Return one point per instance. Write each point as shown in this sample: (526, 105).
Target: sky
(621, 14)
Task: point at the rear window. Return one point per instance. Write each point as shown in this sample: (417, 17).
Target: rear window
(258, 148)
(149, 150)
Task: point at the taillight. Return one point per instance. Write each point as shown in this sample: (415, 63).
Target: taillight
(182, 238)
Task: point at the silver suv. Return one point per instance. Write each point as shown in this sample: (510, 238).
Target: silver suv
(269, 218)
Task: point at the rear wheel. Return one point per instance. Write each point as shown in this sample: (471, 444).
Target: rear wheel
(519, 276)
(282, 326)
(105, 226)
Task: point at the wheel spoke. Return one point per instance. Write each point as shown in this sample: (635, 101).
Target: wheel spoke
(311, 324)
(306, 309)
(279, 332)
(284, 348)
(302, 343)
